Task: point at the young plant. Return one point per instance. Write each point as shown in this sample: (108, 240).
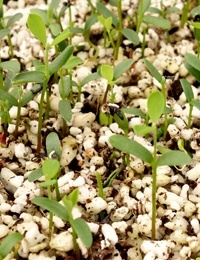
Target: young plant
(112, 75)
(8, 243)
(168, 157)
(195, 12)
(155, 73)
(190, 99)
(79, 226)
(5, 24)
(43, 72)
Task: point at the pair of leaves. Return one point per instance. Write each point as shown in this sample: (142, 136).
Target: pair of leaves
(169, 158)
(79, 225)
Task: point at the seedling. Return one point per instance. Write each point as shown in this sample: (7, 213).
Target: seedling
(168, 157)
(5, 24)
(79, 226)
(44, 72)
(190, 99)
(8, 243)
(155, 73)
(112, 75)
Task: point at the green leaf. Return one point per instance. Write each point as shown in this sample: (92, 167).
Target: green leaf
(62, 36)
(155, 105)
(131, 35)
(154, 10)
(35, 175)
(195, 10)
(16, 17)
(55, 29)
(187, 89)
(28, 96)
(174, 158)
(64, 86)
(196, 25)
(52, 206)
(46, 184)
(172, 10)
(65, 109)
(50, 168)
(53, 144)
(73, 197)
(122, 123)
(103, 10)
(4, 32)
(61, 59)
(126, 145)
(192, 64)
(37, 27)
(107, 72)
(41, 13)
(143, 6)
(92, 19)
(90, 77)
(72, 62)
(13, 65)
(154, 72)
(8, 243)
(83, 232)
(134, 111)
(195, 103)
(157, 21)
(29, 76)
(122, 67)
(143, 129)
(6, 96)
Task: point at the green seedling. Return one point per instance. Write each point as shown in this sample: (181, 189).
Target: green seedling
(190, 99)
(195, 12)
(112, 75)
(185, 12)
(155, 73)
(79, 226)
(5, 26)
(50, 170)
(113, 25)
(43, 72)
(168, 157)
(8, 243)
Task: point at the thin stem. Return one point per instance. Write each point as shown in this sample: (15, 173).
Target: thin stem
(17, 120)
(139, 17)
(190, 116)
(154, 180)
(10, 46)
(76, 248)
(116, 50)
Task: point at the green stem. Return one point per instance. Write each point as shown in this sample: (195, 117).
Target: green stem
(76, 248)
(154, 179)
(17, 120)
(139, 18)
(190, 116)
(10, 46)
(57, 191)
(119, 38)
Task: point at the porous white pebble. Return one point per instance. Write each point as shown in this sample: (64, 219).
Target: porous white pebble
(4, 230)
(20, 150)
(96, 205)
(86, 192)
(69, 150)
(194, 173)
(62, 242)
(83, 120)
(34, 126)
(189, 208)
(110, 236)
(13, 112)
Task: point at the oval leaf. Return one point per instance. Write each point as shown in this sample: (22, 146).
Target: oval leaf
(82, 230)
(65, 110)
(157, 21)
(53, 144)
(62, 36)
(35, 175)
(16, 17)
(8, 243)
(6, 96)
(50, 168)
(107, 72)
(131, 35)
(122, 67)
(60, 60)
(187, 89)
(155, 105)
(29, 76)
(37, 27)
(154, 72)
(192, 64)
(174, 158)
(126, 145)
(13, 65)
